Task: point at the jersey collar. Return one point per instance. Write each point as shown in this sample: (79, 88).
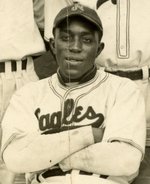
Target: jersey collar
(86, 77)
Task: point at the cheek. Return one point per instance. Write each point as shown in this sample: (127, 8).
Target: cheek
(60, 55)
(91, 53)
(60, 48)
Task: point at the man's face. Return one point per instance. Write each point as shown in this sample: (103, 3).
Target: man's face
(76, 46)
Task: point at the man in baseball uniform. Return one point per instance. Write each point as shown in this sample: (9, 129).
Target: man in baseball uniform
(126, 35)
(77, 126)
(127, 45)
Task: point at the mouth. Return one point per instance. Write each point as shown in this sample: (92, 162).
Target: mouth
(73, 60)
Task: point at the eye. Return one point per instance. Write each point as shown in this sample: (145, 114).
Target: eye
(65, 37)
(87, 40)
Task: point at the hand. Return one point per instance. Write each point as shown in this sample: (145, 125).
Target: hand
(98, 134)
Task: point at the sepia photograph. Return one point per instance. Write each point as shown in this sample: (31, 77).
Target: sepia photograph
(75, 92)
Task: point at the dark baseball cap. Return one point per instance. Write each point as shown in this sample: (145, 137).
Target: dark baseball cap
(78, 9)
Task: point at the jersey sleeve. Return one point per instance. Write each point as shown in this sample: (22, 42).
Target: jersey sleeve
(23, 145)
(18, 115)
(124, 136)
(126, 120)
(101, 158)
(21, 36)
(52, 7)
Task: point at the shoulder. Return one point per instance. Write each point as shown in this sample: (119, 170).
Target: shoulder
(32, 89)
(116, 83)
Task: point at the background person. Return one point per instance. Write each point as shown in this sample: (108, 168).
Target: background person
(20, 43)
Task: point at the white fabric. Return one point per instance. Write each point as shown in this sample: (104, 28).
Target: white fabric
(133, 37)
(75, 179)
(19, 34)
(40, 106)
(12, 81)
(134, 45)
(145, 71)
(38, 8)
(52, 7)
(9, 83)
(19, 38)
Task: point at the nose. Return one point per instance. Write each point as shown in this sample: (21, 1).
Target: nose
(75, 45)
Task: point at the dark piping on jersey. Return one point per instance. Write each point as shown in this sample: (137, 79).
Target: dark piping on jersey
(86, 77)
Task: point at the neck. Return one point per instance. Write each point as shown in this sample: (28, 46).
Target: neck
(86, 77)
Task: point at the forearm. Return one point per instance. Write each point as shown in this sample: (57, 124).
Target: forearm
(36, 152)
(105, 158)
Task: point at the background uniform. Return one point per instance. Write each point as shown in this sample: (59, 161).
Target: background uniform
(126, 24)
(44, 121)
(19, 38)
(20, 43)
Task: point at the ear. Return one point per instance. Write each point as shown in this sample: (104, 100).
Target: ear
(52, 45)
(100, 48)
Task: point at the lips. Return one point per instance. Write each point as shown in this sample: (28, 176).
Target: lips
(73, 60)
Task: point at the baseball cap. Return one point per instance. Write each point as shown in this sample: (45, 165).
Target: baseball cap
(78, 9)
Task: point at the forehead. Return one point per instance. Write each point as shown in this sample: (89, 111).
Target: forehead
(77, 23)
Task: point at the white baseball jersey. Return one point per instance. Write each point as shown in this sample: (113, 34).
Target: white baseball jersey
(126, 25)
(48, 123)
